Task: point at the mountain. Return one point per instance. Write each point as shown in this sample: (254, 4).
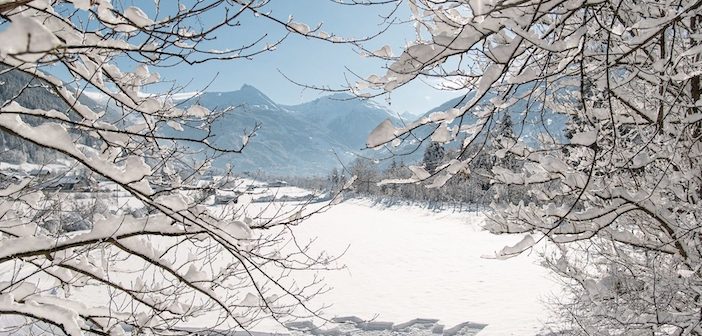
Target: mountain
(345, 118)
(248, 96)
(32, 93)
(305, 139)
(528, 119)
(408, 116)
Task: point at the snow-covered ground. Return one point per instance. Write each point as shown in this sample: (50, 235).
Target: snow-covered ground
(406, 262)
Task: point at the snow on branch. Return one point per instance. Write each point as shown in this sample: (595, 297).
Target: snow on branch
(108, 223)
(583, 117)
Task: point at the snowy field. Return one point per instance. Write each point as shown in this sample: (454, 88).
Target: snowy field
(406, 262)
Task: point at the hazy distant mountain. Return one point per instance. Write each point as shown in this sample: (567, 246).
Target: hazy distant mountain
(248, 96)
(32, 93)
(309, 138)
(524, 125)
(303, 139)
(408, 116)
(346, 119)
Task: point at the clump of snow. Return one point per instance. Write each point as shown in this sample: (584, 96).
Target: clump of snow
(514, 250)
(198, 111)
(194, 274)
(137, 16)
(419, 172)
(250, 300)
(383, 133)
(584, 138)
(175, 201)
(67, 319)
(236, 229)
(299, 27)
(28, 37)
(442, 134)
(384, 52)
(82, 4)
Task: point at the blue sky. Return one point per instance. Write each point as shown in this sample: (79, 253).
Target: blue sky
(306, 60)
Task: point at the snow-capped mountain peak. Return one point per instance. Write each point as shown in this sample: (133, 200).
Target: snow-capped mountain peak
(246, 96)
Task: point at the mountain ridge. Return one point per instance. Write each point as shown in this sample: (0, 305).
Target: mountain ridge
(309, 138)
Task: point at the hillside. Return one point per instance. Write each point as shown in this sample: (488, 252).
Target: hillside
(305, 139)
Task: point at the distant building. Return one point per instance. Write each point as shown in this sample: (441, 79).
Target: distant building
(227, 197)
(66, 183)
(277, 184)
